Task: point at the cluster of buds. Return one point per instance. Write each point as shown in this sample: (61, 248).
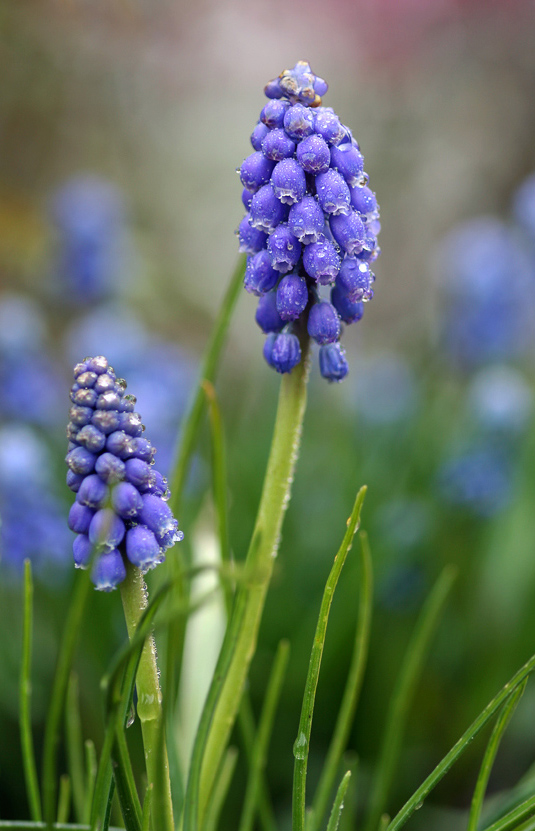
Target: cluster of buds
(311, 222)
(121, 511)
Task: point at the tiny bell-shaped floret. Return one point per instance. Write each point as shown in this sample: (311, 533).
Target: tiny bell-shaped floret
(348, 231)
(267, 210)
(321, 261)
(282, 351)
(256, 171)
(260, 275)
(349, 310)
(306, 220)
(284, 248)
(323, 323)
(299, 122)
(292, 296)
(355, 279)
(267, 315)
(313, 154)
(277, 145)
(333, 192)
(348, 161)
(289, 182)
(251, 239)
(108, 570)
(142, 548)
(333, 364)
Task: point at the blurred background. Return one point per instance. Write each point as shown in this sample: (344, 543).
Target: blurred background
(121, 127)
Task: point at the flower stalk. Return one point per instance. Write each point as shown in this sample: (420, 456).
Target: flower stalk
(239, 644)
(149, 703)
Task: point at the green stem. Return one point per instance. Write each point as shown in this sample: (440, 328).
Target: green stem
(149, 704)
(239, 644)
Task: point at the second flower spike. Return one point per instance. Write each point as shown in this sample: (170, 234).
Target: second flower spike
(121, 511)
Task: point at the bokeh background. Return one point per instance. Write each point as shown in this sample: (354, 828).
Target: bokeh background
(121, 127)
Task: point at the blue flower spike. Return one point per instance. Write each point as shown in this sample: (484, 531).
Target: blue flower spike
(120, 513)
(310, 231)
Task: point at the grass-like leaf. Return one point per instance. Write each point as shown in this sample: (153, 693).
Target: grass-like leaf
(265, 728)
(403, 694)
(460, 746)
(510, 822)
(301, 745)
(64, 800)
(71, 628)
(191, 427)
(90, 777)
(125, 783)
(75, 748)
(352, 689)
(338, 804)
(490, 754)
(221, 788)
(25, 696)
(219, 471)
(21, 825)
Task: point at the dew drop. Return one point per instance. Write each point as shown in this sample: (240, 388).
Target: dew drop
(300, 747)
(131, 717)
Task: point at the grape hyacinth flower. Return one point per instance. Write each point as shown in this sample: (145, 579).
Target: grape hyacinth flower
(121, 510)
(311, 222)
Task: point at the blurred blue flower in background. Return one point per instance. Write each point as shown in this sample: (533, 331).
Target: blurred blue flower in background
(31, 384)
(524, 206)
(488, 293)
(385, 389)
(479, 480)
(500, 399)
(92, 258)
(32, 516)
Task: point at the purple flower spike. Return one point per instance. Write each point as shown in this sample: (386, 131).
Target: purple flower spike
(315, 222)
(113, 480)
